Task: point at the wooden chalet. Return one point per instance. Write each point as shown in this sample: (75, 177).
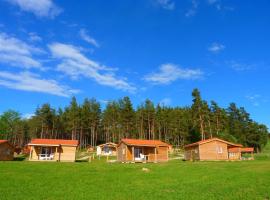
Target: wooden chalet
(6, 151)
(107, 149)
(215, 149)
(134, 150)
(53, 150)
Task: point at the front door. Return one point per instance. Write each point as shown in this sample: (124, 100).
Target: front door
(45, 153)
(137, 154)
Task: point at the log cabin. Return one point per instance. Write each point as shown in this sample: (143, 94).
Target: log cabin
(107, 149)
(53, 150)
(134, 150)
(215, 149)
(6, 151)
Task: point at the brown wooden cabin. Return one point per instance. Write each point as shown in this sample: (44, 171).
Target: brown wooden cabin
(6, 151)
(215, 149)
(107, 149)
(53, 150)
(134, 150)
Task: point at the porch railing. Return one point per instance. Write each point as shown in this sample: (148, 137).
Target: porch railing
(46, 156)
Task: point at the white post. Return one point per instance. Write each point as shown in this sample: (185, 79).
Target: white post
(30, 156)
(133, 154)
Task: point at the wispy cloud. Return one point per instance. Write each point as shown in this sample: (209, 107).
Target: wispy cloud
(170, 72)
(166, 4)
(165, 102)
(240, 66)
(34, 37)
(212, 1)
(75, 64)
(256, 99)
(86, 37)
(27, 81)
(219, 5)
(193, 10)
(216, 47)
(41, 8)
(15, 52)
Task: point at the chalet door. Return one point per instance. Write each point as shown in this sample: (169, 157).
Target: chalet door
(137, 153)
(45, 153)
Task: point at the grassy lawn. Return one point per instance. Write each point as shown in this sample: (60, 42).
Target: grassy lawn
(101, 180)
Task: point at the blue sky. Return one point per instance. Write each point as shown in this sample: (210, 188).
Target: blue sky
(157, 49)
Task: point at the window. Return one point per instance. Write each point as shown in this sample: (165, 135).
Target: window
(232, 154)
(219, 150)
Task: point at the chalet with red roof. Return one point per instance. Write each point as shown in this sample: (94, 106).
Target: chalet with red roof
(134, 150)
(216, 149)
(53, 150)
(6, 151)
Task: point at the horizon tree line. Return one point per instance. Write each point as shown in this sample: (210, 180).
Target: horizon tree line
(91, 125)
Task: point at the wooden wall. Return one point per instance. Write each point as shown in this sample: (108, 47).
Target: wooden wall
(192, 153)
(214, 150)
(68, 153)
(6, 152)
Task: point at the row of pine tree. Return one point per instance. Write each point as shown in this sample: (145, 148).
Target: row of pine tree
(91, 125)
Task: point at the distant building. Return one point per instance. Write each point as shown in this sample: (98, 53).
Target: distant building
(6, 151)
(107, 149)
(215, 149)
(133, 150)
(53, 150)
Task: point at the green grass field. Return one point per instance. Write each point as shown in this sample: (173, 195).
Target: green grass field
(101, 180)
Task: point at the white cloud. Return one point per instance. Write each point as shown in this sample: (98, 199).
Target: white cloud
(216, 47)
(87, 38)
(166, 4)
(28, 115)
(32, 82)
(238, 66)
(193, 10)
(166, 101)
(34, 37)
(15, 52)
(170, 72)
(75, 64)
(41, 8)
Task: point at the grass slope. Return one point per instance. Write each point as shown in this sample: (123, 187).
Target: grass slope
(100, 180)
(265, 154)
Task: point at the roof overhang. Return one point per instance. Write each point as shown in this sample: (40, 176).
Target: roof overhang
(45, 145)
(145, 145)
(211, 140)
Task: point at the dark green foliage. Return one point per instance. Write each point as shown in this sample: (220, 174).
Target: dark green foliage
(175, 125)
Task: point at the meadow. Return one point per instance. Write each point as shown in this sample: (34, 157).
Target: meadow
(100, 180)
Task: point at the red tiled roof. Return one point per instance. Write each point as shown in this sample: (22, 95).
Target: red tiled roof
(54, 142)
(234, 149)
(241, 149)
(3, 141)
(210, 140)
(247, 149)
(136, 142)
